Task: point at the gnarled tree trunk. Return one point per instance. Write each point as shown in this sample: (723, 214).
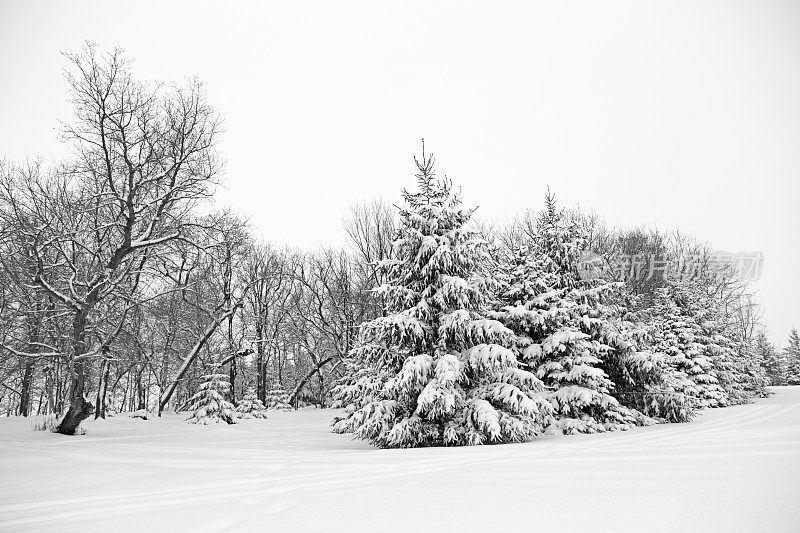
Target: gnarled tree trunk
(79, 407)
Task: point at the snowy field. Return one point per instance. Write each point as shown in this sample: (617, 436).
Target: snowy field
(733, 469)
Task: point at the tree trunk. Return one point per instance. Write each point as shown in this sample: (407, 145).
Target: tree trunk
(41, 399)
(232, 374)
(147, 389)
(25, 390)
(27, 376)
(261, 392)
(102, 389)
(59, 382)
(322, 391)
(261, 373)
(48, 385)
(125, 393)
(139, 391)
(79, 407)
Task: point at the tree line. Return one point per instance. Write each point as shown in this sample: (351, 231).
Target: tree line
(494, 335)
(119, 287)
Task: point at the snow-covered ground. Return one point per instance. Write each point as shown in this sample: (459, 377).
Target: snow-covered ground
(733, 469)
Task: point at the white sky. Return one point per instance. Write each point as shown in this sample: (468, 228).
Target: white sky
(675, 114)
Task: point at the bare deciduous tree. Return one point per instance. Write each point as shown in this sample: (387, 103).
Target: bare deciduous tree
(143, 158)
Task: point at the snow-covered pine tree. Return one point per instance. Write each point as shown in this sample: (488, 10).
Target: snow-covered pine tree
(737, 367)
(644, 379)
(209, 405)
(748, 379)
(562, 326)
(735, 363)
(792, 354)
(772, 360)
(678, 335)
(277, 398)
(437, 371)
(250, 406)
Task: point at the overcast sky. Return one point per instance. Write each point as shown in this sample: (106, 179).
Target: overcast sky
(677, 114)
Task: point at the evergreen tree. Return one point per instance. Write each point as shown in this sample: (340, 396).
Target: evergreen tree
(737, 366)
(772, 360)
(436, 370)
(678, 335)
(250, 406)
(563, 327)
(753, 379)
(277, 398)
(735, 363)
(209, 405)
(645, 380)
(749, 358)
(792, 354)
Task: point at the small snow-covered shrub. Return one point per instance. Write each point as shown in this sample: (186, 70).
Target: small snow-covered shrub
(44, 423)
(209, 405)
(278, 399)
(250, 406)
